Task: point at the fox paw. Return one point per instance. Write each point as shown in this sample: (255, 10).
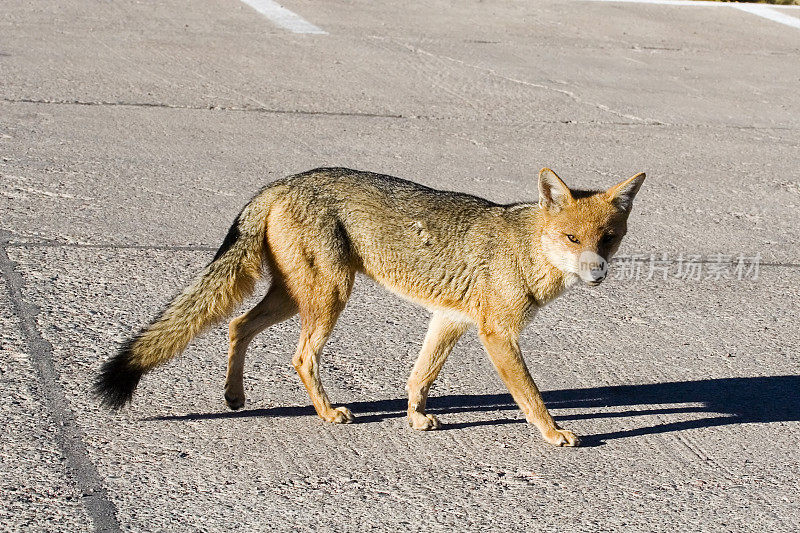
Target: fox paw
(339, 415)
(234, 401)
(561, 437)
(423, 422)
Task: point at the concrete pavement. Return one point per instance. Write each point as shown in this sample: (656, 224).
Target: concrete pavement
(131, 134)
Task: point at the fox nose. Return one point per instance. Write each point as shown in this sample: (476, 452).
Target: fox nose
(592, 268)
(596, 280)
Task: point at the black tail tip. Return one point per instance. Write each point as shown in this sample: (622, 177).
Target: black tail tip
(117, 380)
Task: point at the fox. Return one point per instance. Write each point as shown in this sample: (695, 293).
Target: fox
(470, 261)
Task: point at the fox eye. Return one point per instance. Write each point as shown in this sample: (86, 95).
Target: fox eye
(572, 238)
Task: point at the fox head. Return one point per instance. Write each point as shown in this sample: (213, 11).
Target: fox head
(582, 230)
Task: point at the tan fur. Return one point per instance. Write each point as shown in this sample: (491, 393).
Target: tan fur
(473, 263)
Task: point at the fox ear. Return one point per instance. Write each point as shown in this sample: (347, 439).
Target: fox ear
(622, 193)
(553, 193)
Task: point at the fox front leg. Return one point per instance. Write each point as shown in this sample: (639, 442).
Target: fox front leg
(443, 333)
(507, 359)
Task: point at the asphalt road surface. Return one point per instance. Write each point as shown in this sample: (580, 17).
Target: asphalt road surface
(132, 132)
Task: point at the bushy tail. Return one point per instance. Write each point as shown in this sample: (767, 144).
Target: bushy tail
(225, 282)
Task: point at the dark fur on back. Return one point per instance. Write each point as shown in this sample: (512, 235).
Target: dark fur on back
(230, 238)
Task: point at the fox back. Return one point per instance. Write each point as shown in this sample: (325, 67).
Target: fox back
(444, 249)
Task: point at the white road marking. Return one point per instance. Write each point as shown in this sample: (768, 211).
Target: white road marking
(694, 3)
(769, 12)
(762, 10)
(284, 18)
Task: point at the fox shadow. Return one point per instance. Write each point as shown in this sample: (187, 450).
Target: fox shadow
(725, 401)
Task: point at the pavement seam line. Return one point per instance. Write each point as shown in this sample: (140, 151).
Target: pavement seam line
(69, 435)
(102, 246)
(209, 248)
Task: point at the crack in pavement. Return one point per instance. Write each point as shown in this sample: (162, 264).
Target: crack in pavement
(637, 121)
(69, 436)
(250, 109)
(257, 109)
(496, 74)
(633, 121)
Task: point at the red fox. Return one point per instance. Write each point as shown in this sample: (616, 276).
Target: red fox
(468, 260)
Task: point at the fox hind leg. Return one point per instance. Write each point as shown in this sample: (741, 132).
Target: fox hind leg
(442, 335)
(276, 307)
(320, 308)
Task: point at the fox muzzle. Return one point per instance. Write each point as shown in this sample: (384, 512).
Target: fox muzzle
(592, 268)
